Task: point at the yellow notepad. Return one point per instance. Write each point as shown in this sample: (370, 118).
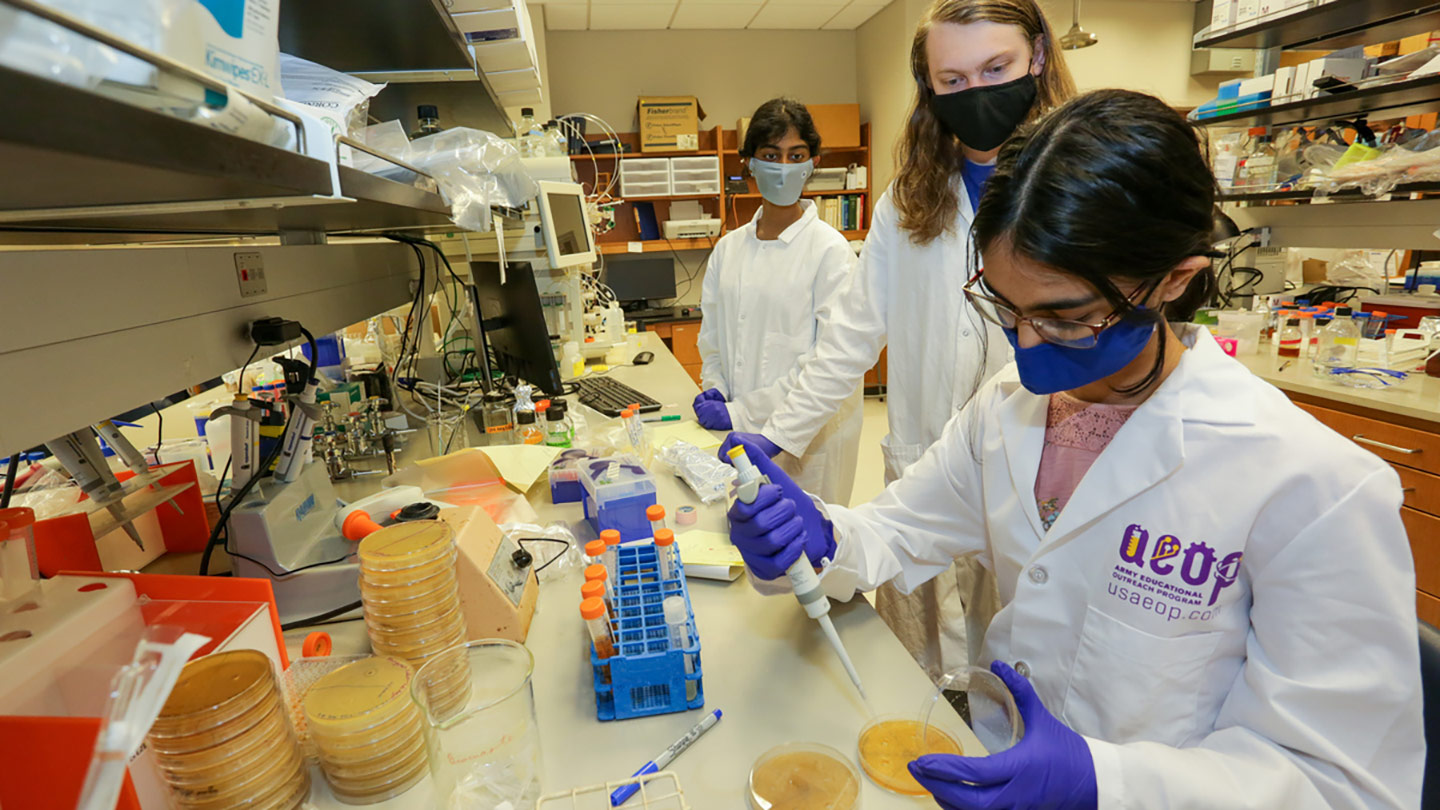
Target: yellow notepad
(700, 547)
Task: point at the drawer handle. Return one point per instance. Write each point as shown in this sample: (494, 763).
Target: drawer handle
(1408, 491)
(1409, 451)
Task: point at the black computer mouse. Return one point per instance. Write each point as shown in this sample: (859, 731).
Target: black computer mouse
(643, 358)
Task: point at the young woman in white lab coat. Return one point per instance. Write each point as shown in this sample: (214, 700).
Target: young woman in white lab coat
(767, 291)
(1208, 594)
(981, 67)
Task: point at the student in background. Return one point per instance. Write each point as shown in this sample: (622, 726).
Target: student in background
(767, 291)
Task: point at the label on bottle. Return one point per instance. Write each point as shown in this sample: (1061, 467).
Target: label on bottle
(1347, 341)
(506, 428)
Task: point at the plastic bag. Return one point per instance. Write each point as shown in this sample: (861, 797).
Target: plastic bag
(707, 475)
(49, 493)
(1354, 269)
(554, 547)
(475, 170)
(342, 101)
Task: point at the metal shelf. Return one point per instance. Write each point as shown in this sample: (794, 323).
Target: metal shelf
(1399, 194)
(371, 36)
(1394, 100)
(1339, 24)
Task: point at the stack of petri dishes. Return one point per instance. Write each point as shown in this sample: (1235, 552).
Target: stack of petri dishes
(223, 738)
(412, 601)
(367, 730)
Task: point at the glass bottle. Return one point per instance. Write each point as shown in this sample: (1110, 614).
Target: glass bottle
(558, 432)
(528, 133)
(429, 117)
(498, 419)
(1290, 339)
(527, 432)
(1339, 343)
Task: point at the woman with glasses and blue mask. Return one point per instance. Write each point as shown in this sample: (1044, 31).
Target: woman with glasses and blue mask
(767, 291)
(980, 69)
(1207, 593)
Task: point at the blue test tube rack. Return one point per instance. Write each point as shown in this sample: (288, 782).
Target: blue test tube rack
(647, 675)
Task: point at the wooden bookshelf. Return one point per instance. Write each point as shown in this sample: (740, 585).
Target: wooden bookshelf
(732, 210)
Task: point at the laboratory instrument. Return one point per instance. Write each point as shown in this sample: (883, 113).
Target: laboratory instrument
(666, 757)
(611, 397)
(485, 750)
(366, 730)
(611, 539)
(429, 118)
(888, 745)
(803, 579)
(1339, 344)
(597, 621)
(656, 515)
(803, 776)
(512, 323)
(595, 589)
(617, 491)
(79, 453)
(224, 738)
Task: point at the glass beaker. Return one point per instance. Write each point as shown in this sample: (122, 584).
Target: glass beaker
(485, 748)
(993, 716)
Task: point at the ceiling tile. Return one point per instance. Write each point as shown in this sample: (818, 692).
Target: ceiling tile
(630, 16)
(566, 16)
(670, 3)
(833, 5)
(792, 16)
(713, 15)
(852, 16)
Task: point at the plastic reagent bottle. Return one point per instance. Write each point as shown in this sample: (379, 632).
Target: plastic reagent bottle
(677, 618)
(1290, 338)
(803, 579)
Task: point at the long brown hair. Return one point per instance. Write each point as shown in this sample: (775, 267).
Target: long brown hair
(928, 155)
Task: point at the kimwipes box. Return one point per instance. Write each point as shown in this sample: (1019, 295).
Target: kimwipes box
(669, 123)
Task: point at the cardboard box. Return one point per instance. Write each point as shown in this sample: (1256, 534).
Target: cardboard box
(1314, 271)
(1284, 84)
(669, 123)
(838, 124)
(742, 126)
(1247, 11)
(1419, 42)
(1222, 14)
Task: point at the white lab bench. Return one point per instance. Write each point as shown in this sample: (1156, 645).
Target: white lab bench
(766, 665)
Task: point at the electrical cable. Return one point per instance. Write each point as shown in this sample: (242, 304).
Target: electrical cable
(237, 497)
(566, 543)
(12, 470)
(159, 431)
(313, 620)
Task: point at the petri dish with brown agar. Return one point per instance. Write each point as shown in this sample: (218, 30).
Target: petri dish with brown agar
(889, 744)
(223, 738)
(366, 729)
(410, 591)
(803, 776)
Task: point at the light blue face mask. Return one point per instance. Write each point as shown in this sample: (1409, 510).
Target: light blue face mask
(781, 183)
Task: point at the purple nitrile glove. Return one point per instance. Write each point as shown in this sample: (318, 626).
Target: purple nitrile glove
(1049, 769)
(770, 448)
(710, 410)
(781, 523)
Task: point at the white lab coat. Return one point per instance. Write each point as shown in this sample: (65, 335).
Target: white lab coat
(909, 296)
(764, 303)
(1224, 609)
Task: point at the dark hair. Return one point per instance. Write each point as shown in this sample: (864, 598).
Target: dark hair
(1112, 184)
(776, 117)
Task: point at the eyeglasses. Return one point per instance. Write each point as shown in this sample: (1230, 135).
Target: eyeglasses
(1059, 331)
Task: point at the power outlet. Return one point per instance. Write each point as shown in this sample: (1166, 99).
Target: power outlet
(250, 272)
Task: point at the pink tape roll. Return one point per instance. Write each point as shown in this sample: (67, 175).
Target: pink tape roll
(686, 515)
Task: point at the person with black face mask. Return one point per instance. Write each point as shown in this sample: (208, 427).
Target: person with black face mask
(981, 69)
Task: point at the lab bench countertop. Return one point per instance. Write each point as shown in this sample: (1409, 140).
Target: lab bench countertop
(1417, 398)
(766, 665)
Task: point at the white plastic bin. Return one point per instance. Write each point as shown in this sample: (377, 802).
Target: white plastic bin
(645, 177)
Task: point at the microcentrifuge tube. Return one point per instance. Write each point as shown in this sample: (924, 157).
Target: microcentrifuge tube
(665, 554)
(677, 617)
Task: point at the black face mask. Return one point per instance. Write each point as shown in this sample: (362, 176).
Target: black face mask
(984, 117)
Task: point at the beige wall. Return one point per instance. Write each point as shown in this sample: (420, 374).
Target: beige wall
(731, 72)
(1144, 45)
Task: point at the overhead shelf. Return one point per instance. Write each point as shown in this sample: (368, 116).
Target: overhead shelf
(1334, 25)
(1393, 100)
(374, 36)
(1398, 194)
(101, 166)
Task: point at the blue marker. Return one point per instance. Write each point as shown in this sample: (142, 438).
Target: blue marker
(666, 757)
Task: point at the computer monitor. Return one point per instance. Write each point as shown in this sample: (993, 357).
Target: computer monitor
(512, 323)
(640, 280)
(568, 238)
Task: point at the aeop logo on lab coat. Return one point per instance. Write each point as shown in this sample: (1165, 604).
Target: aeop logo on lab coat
(1175, 574)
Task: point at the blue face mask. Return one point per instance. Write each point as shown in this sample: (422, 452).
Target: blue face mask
(781, 183)
(1048, 368)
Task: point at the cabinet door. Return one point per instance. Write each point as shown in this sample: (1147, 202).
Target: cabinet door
(682, 342)
(1422, 490)
(1394, 443)
(1424, 532)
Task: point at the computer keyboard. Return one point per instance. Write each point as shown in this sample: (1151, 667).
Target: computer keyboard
(610, 397)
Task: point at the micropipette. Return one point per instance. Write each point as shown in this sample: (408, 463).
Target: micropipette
(802, 576)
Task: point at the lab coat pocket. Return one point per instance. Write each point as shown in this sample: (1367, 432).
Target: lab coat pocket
(898, 456)
(1128, 685)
